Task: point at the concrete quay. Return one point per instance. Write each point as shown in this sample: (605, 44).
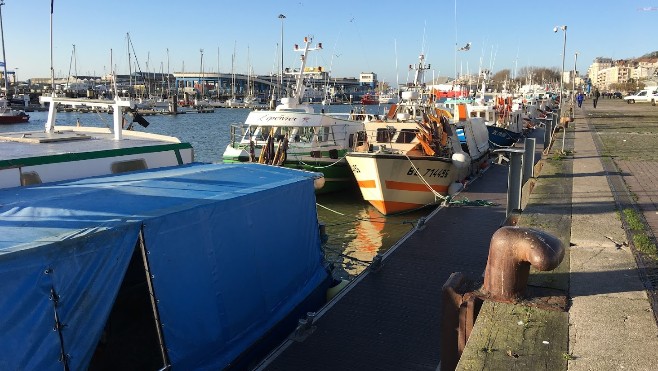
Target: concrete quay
(610, 323)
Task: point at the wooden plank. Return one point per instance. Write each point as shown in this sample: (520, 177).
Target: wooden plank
(517, 337)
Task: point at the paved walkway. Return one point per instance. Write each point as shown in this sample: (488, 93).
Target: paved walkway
(611, 323)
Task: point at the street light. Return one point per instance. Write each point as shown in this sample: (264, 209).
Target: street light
(575, 73)
(281, 17)
(564, 48)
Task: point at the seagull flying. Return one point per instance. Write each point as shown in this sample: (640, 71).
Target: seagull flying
(465, 47)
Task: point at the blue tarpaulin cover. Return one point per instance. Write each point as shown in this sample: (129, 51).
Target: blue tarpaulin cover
(232, 249)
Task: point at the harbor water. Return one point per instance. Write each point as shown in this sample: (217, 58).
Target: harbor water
(356, 231)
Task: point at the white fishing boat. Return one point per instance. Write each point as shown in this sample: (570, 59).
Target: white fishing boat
(304, 139)
(413, 157)
(387, 97)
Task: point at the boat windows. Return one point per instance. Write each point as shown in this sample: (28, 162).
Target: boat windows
(406, 136)
(385, 135)
(323, 134)
(306, 134)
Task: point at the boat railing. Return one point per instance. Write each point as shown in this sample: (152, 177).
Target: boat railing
(354, 116)
(237, 132)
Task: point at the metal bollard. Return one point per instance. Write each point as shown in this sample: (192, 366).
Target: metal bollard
(511, 253)
(460, 309)
(528, 160)
(514, 178)
(547, 134)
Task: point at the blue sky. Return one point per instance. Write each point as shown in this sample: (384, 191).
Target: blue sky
(358, 36)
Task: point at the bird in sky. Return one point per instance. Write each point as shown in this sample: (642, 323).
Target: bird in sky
(465, 47)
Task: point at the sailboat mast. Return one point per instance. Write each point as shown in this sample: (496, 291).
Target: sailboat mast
(52, 68)
(4, 59)
(130, 72)
(168, 80)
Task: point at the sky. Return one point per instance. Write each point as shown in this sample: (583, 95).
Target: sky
(383, 36)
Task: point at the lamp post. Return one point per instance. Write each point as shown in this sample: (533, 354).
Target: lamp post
(281, 17)
(564, 48)
(575, 73)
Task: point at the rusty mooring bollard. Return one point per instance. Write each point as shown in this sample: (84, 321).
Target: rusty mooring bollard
(511, 253)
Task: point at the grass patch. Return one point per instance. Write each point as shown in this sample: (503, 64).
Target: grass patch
(634, 220)
(568, 356)
(643, 243)
(558, 156)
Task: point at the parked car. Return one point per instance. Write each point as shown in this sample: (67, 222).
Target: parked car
(617, 95)
(645, 95)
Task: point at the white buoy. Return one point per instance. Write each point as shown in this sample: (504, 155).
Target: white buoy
(461, 160)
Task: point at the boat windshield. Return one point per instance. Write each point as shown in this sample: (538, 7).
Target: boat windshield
(295, 133)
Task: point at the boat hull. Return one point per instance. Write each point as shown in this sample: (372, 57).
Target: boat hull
(397, 183)
(501, 137)
(14, 119)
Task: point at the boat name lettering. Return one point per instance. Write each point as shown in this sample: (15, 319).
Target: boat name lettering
(355, 169)
(429, 173)
(279, 118)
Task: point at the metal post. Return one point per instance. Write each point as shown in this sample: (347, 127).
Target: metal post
(514, 181)
(573, 82)
(514, 177)
(528, 159)
(547, 132)
(564, 49)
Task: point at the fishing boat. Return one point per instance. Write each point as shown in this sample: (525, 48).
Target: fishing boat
(7, 114)
(369, 99)
(387, 98)
(294, 135)
(413, 158)
(508, 126)
(11, 116)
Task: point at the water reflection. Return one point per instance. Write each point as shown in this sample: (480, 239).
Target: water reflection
(357, 231)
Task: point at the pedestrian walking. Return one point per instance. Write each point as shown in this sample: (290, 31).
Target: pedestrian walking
(595, 100)
(579, 98)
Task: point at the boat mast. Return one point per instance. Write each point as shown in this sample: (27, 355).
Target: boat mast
(4, 59)
(233, 72)
(52, 69)
(168, 80)
(202, 77)
(300, 78)
(130, 72)
(281, 90)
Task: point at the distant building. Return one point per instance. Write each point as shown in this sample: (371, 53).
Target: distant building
(605, 71)
(368, 79)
